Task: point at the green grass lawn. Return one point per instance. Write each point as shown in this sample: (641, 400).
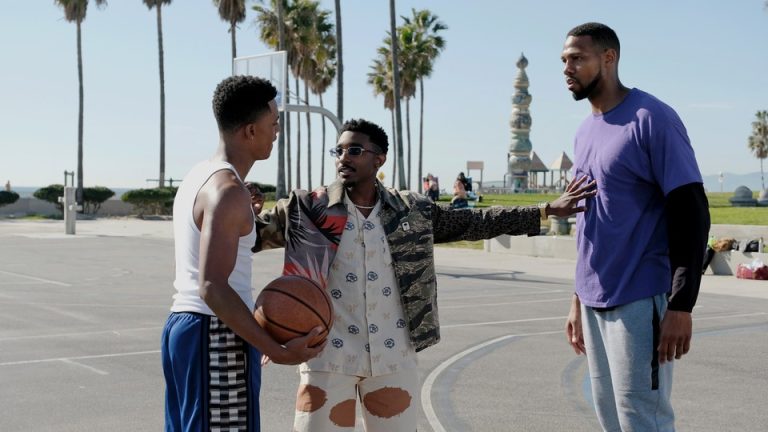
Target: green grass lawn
(720, 208)
(720, 211)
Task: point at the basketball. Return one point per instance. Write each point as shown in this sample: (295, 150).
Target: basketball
(291, 306)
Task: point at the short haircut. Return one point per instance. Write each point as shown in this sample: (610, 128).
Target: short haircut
(602, 35)
(240, 100)
(375, 133)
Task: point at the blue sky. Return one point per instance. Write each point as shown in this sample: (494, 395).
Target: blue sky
(707, 59)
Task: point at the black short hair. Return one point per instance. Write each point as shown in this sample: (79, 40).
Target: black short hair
(239, 100)
(602, 35)
(375, 133)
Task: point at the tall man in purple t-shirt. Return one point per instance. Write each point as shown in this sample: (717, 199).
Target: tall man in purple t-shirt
(640, 243)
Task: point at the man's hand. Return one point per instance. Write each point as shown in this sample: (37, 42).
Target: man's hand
(675, 339)
(567, 204)
(297, 350)
(573, 327)
(257, 197)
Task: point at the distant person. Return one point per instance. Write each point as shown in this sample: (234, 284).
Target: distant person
(372, 248)
(465, 181)
(432, 188)
(211, 344)
(459, 199)
(8, 186)
(640, 243)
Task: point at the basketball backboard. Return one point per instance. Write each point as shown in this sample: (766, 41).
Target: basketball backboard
(271, 66)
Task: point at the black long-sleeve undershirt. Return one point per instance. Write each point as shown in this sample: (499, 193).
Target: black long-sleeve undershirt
(688, 223)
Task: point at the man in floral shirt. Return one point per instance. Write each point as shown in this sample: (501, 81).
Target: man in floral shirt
(372, 248)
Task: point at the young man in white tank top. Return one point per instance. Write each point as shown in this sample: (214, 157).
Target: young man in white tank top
(211, 344)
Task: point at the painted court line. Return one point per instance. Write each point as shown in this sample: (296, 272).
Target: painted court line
(565, 317)
(35, 278)
(504, 294)
(505, 303)
(72, 359)
(60, 335)
(426, 389)
(95, 305)
(90, 368)
(505, 322)
(731, 316)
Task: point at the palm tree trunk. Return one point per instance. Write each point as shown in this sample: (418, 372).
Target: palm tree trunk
(280, 186)
(421, 131)
(232, 29)
(288, 156)
(161, 178)
(284, 119)
(79, 192)
(408, 132)
(298, 139)
(396, 89)
(309, 139)
(762, 175)
(322, 152)
(339, 67)
(394, 149)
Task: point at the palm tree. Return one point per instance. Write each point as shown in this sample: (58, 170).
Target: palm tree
(301, 21)
(308, 31)
(157, 4)
(380, 78)
(74, 11)
(396, 90)
(407, 62)
(340, 66)
(758, 141)
(281, 191)
(426, 47)
(233, 12)
(275, 32)
(407, 86)
(317, 45)
(324, 76)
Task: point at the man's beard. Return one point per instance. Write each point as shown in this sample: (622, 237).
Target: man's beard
(589, 88)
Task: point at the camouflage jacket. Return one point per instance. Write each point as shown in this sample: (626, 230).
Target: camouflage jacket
(309, 225)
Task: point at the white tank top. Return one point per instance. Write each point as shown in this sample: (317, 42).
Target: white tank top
(187, 245)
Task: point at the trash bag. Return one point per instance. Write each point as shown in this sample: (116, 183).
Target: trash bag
(752, 246)
(755, 270)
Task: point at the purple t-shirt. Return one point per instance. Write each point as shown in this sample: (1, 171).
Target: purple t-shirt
(638, 152)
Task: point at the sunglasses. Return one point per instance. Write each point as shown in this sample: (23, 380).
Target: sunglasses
(352, 151)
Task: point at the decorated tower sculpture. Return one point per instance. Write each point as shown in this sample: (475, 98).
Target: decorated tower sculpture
(518, 157)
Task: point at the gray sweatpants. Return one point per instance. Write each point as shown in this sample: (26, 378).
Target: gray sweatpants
(630, 388)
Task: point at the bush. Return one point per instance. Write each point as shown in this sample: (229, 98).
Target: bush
(51, 193)
(156, 201)
(93, 197)
(7, 197)
(265, 187)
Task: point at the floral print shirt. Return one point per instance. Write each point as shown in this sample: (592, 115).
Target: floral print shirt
(369, 336)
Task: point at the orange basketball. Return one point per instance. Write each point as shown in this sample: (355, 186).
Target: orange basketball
(291, 306)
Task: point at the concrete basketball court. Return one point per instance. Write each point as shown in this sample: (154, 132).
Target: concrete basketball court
(82, 315)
